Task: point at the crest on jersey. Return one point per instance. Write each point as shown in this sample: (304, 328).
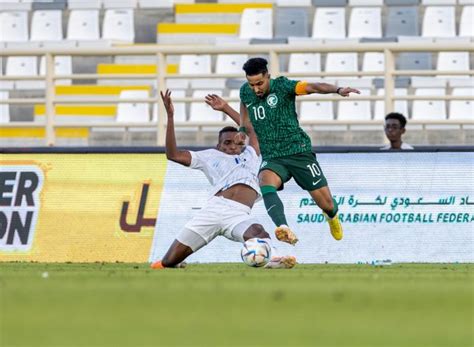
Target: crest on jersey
(272, 100)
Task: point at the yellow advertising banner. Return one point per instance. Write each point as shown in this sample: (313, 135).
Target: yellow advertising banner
(79, 207)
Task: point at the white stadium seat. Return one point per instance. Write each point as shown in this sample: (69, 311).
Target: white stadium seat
(230, 63)
(4, 108)
(365, 22)
(47, 26)
(341, 62)
(24, 66)
(179, 107)
(439, 21)
(235, 93)
(466, 23)
(256, 24)
(62, 66)
(84, 4)
(191, 64)
(133, 112)
(429, 109)
(453, 61)
(14, 26)
(111, 4)
(329, 23)
(293, 3)
(365, 2)
(316, 110)
(438, 2)
(400, 106)
(118, 25)
(462, 109)
(202, 112)
(15, 5)
(83, 25)
(155, 4)
(373, 61)
(354, 109)
(304, 62)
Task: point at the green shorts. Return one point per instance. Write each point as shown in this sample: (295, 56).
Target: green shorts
(303, 167)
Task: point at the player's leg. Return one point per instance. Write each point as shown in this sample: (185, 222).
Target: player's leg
(185, 244)
(271, 177)
(309, 176)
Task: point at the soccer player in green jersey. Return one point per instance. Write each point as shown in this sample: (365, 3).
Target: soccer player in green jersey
(268, 106)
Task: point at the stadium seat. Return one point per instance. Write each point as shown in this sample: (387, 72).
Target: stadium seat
(293, 3)
(230, 63)
(453, 61)
(329, 23)
(47, 26)
(329, 3)
(438, 2)
(83, 25)
(155, 4)
(183, 33)
(24, 66)
(4, 108)
(84, 4)
(62, 66)
(341, 62)
(131, 112)
(13, 26)
(466, 23)
(365, 22)
(192, 64)
(256, 23)
(400, 106)
(78, 113)
(304, 62)
(402, 21)
(235, 93)
(414, 61)
(118, 25)
(4, 84)
(365, 2)
(179, 107)
(15, 5)
(316, 110)
(49, 5)
(439, 21)
(355, 109)
(114, 4)
(373, 61)
(202, 112)
(202, 13)
(401, 2)
(429, 110)
(291, 22)
(462, 109)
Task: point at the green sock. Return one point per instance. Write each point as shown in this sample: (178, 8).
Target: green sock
(333, 212)
(273, 205)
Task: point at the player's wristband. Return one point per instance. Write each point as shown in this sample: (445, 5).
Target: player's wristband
(243, 130)
(338, 90)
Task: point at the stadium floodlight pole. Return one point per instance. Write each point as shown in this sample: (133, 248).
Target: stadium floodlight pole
(389, 83)
(50, 95)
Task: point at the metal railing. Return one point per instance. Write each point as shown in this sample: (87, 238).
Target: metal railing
(272, 51)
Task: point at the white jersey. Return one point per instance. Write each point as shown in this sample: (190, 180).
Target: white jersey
(224, 170)
(404, 146)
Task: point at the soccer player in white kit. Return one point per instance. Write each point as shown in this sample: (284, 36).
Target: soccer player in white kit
(232, 170)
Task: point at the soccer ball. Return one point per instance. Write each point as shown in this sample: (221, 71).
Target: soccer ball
(256, 252)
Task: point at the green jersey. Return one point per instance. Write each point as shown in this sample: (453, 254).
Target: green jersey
(274, 119)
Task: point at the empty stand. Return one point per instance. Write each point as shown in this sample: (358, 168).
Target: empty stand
(183, 33)
(304, 62)
(49, 5)
(14, 26)
(133, 112)
(462, 109)
(355, 109)
(118, 25)
(293, 3)
(466, 23)
(83, 25)
(400, 106)
(84, 4)
(402, 21)
(47, 26)
(429, 109)
(179, 107)
(62, 66)
(202, 112)
(112, 4)
(453, 61)
(4, 108)
(291, 22)
(365, 22)
(439, 21)
(329, 23)
(24, 66)
(256, 23)
(230, 63)
(316, 110)
(341, 62)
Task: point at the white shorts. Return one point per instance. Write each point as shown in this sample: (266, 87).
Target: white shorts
(220, 217)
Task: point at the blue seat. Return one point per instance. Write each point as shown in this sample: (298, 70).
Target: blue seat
(291, 22)
(402, 21)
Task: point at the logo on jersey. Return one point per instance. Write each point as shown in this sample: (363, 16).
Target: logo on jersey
(272, 100)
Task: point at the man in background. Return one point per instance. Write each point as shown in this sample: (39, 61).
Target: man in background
(394, 129)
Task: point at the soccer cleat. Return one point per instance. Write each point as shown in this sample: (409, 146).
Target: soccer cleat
(286, 262)
(157, 265)
(335, 226)
(284, 234)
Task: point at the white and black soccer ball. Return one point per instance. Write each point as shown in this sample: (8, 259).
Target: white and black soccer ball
(256, 252)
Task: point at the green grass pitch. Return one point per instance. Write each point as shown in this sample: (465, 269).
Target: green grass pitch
(234, 305)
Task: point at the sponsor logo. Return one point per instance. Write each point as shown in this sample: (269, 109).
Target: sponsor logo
(140, 220)
(20, 188)
(314, 183)
(272, 100)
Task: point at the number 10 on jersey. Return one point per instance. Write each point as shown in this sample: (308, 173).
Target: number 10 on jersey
(258, 112)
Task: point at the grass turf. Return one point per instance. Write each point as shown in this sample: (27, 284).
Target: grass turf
(234, 305)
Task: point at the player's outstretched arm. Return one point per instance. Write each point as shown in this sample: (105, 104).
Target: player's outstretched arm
(172, 152)
(326, 88)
